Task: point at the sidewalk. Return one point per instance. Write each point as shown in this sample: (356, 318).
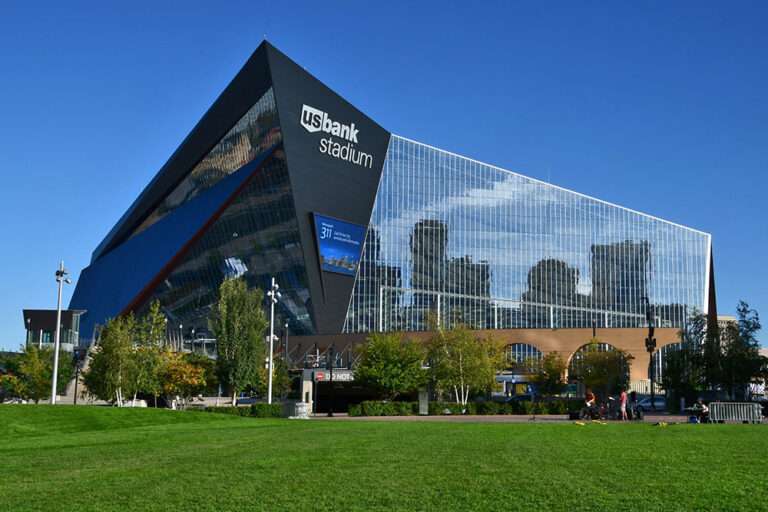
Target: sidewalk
(493, 418)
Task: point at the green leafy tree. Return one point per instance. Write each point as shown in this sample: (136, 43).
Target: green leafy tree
(683, 374)
(111, 374)
(35, 373)
(239, 324)
(462, 364)
(549, 374)
(208, 366)
(391, 364)
(605, 372)
(690, 369)
(147, 352)
(742, 363)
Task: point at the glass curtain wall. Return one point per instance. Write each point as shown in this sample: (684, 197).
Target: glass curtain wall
(255, 132)
(463, 241)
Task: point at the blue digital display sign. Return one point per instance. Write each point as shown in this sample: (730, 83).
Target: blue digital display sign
(339, 244)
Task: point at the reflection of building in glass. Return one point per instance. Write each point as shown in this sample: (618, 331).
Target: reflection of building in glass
(441, 282)
(445, 237)
(620, 275)
(501, 250)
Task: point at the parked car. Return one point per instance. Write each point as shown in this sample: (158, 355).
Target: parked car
(644, 405)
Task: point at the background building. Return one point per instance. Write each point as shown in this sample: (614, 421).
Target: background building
(368, 231)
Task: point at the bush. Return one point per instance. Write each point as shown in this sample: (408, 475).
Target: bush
(266, 410)
(488, 408)
(440, 408)
(254, 411)
(376, 408)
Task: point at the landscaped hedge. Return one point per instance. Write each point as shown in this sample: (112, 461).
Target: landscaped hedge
(559, 406)
(374, 408)
(254, 411)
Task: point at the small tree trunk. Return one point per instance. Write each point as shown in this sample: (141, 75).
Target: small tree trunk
(234, 398)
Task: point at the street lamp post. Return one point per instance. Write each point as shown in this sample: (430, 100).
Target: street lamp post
(61, 278)
(285, 348)
(29, 332)
(650, 346)
(330, 379)
(273, 295)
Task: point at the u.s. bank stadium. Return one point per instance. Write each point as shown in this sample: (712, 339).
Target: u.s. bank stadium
(367, 231)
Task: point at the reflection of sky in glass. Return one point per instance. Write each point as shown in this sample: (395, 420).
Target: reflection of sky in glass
(514, 222)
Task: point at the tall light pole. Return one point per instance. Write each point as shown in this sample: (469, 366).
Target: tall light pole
(650, 346)
(273, 295)
(61, 278)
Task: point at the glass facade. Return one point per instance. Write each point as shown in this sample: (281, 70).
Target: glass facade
(253, 134)
(523, 357)
(473, 243)
(255, 238)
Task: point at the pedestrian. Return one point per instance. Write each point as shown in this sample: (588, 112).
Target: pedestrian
(623, 404)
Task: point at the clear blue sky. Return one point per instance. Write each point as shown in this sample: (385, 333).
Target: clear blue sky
(658, 106)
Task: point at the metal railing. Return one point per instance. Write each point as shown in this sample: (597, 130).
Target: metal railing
(736, 411)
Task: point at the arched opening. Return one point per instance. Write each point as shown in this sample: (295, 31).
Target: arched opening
(659, 360)
(600, 367)
(523, 361)
(523, 357)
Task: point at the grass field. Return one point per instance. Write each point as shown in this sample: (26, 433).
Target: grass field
(92, 458)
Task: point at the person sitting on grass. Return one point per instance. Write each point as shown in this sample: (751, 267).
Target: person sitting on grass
(701, 410)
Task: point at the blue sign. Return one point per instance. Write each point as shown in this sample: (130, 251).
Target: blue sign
(339, 243)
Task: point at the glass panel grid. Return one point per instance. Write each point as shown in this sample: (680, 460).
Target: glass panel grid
(463, 241)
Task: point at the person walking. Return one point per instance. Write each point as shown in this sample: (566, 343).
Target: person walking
(623, 404)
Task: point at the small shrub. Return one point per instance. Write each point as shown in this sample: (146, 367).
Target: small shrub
(377, 408)
(487, 408)
(265, 410)
(355, 410)
(440, 408)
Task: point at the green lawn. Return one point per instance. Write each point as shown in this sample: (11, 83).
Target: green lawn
(91, 458)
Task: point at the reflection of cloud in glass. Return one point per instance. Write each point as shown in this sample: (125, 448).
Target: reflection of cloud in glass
(513, 222)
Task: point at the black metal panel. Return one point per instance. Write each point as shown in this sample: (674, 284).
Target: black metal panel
(251, 82)
(330, 185)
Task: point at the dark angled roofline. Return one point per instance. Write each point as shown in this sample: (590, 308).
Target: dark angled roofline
(231, 104)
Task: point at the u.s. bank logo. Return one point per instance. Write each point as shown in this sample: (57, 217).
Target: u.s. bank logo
(315, 120)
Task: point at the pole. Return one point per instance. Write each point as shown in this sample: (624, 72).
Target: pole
(330, 380)
(60, 279)
(77, 374)
(287, 364)
(273, 295)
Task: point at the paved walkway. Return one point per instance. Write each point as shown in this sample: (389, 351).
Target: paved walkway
(492, 418)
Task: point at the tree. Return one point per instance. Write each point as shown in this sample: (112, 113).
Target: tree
(688, 370)
(208, 366)
(683, 373)
(239, 324)
(391, 364)
(111, 373)
(602, 371)
(180, 377)
(281, 379)
(147, 352)
(742, 363)
(461, 364)
(34, 373)
(549, 373)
